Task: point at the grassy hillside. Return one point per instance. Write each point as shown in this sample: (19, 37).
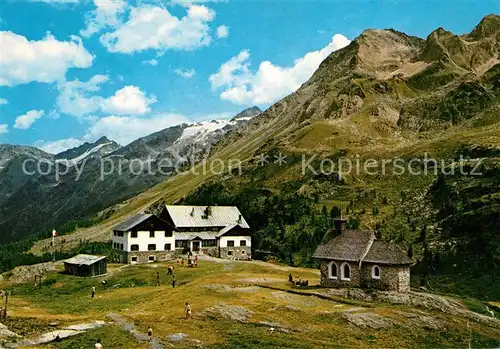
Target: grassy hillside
(235, 305)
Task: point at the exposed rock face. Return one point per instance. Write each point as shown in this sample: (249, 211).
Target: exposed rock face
(228, 312)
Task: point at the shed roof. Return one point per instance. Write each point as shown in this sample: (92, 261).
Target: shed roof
(229, 228)
(360, 246)
(184, 216)
(84, 259)
(203, 235)
(132, 222)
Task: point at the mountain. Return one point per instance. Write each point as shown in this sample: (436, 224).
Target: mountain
(248, 113)
(80, 182)
(387, 96)
(99, 148)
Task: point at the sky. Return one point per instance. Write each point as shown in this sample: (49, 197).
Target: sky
(75, 70)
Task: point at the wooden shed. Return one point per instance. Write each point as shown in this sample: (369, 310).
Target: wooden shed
(86, 265)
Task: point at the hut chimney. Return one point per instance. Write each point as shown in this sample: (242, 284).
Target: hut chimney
(239, 219)
(192, 212)
(208, 211)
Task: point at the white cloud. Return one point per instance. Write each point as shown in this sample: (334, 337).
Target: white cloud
(79, 98)
(46, 60)
(152, 27)
(25, 121)
(54, 2)
(185, 73)
(3, 101)
(128, 100)
(4, 128)
(58, 146)
(270, 82)
(222, 31)
(107, 14)
(125, 129)
(153, 62)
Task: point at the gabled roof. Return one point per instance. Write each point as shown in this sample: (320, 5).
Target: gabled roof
(195, 216)
(386, 253)
(84, 259)
(351, 245)
(360, 246)
(132, 222)
(203, 235)
(228, 229)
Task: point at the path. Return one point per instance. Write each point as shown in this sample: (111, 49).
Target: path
(129, 326)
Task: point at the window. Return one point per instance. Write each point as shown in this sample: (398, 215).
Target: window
(168, 234)
(346, 272)
(168, 247)
(134, 247)
(134, 259)
(151, 234)
(230, 243)
(120, 233)
(243, 242)
(151, 259)
(181, 243)
(114, 233)
(375, 272)
(332, 270)
(121, 247)
(133, 234)
(229, 253)
(210, 243)
(152, 247)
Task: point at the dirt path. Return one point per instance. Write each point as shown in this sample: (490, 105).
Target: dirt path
(129, 326)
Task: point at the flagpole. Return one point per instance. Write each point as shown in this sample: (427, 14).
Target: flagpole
(53, 246)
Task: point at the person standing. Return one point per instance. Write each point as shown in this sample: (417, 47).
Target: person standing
(92, 293)
(150, 333)
(157, 279)
(173, 281)
(188, 312)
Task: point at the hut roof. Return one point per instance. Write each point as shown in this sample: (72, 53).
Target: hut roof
(84, 259)
(203, 235)
(360, 246)
(132, 222)
(195, 216)
(386, 253)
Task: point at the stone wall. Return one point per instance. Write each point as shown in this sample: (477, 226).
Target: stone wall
(338, 282)
(392, 278)
(236, 252)
(142, 256)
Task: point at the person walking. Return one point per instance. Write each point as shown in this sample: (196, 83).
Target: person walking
(150, 333)
(188, 312)
(157, 279)
(92, 293)
(173, 281)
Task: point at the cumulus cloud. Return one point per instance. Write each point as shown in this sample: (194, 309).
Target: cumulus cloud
(222, 31)
(4, 128)
(107, 14)
(80, 98)
(153, 27)
(25, 121)
(185, 73)
(270, 82)
(128, 100)
(3, 101)
(46, 60)
(58, 146)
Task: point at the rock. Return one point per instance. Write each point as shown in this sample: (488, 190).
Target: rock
(228, 312)
(177, 337)
(54, 324)
(86, 326)
(5, 332)
(368, 320)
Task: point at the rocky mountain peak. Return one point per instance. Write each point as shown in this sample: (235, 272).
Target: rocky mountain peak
(489, 26)
(248, 113)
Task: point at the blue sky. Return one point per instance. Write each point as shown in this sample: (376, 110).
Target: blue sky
(73, 71)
